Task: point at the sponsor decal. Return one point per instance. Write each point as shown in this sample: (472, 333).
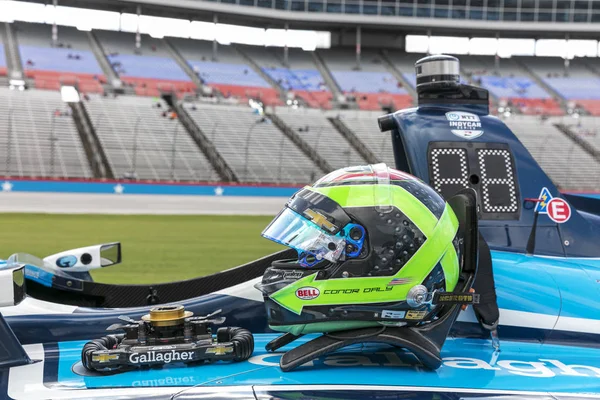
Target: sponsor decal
(400, 281)
(557, 209)
(320, 220)
(393, 314)
(168, 381)
(219, 350)
(354, 291)
(464, 124)
(102, 358)
(532, 368)
(66, 261)
(544, 197)
(341, 291)
(153, 356)
(292, 275)
(307, 293)
(455, 298)
(378, 289)
(161, 348)
(415, 314)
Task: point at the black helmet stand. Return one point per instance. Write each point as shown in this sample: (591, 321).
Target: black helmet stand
(424, 341)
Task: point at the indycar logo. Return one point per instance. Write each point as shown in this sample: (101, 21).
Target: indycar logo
(556, 208)
(153, 356)
(465, 125)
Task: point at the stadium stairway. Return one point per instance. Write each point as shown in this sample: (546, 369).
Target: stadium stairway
(100, 55)
(94, 151)
(561, 100)
(282, 93)
(183, 64)
(584, 144)
(308, 150)
(590, 105)
(327, 76)
(351, 137)
(215, 158)
(398, 75)
(13, 57)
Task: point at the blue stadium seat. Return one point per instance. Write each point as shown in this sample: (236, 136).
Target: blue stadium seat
(368, 82)
(228, 74)
(57, 59)
(513, 87)
(2, 60)
(297, 79)
(151, 67)
(576, 88)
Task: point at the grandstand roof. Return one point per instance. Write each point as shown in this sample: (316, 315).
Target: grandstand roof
(205, 10)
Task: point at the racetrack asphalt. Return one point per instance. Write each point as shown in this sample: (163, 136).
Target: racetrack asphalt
(85, 203)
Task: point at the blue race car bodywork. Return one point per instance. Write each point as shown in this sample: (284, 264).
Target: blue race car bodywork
(546, 268)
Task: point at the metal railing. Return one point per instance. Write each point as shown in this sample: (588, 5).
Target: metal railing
(580, 11)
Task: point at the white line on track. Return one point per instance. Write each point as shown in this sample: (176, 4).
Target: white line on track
(85, 203)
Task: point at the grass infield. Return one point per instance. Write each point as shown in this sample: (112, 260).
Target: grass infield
(155, 248)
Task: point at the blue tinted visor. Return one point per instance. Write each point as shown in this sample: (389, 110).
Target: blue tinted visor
(293, 230)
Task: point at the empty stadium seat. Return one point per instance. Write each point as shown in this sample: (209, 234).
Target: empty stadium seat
(584, 91)
(149, 69)
(364, 125)
(587, 128)
(229, 73)
(40, 138)
(126, 123)
(592, 106)
(305, 83)
(238, 80)
(538, 106)
(150, 74)
(69, 60)
(519, 87)
(322, 136)
(372, 89)
(567, 164)
(254, 148)
(3, 69)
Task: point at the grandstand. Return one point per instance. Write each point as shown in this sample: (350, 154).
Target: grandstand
(311, 110)
(39, 137)
(51, 63)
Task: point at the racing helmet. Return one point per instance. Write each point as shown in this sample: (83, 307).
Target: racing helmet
(373, 244)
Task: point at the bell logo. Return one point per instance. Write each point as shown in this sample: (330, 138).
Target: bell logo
(307, 293)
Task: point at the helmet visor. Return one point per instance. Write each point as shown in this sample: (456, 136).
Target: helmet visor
(293, 230)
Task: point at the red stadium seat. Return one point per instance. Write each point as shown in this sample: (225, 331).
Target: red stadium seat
(376, 101)
(52, 80)
(592, 106)
(154, 87)
(315, 99)
(538, 106)
(267, 96)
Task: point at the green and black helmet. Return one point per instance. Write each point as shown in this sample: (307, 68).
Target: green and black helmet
(371, 241)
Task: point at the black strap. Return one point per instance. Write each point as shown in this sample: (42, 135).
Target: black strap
(487, 311)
